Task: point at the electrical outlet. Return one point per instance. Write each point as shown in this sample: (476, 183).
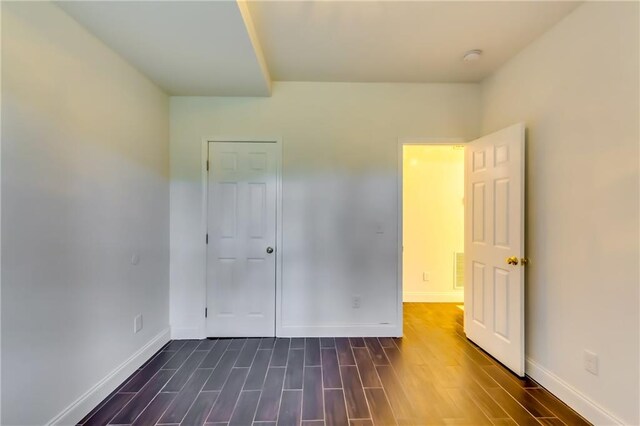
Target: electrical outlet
(379, 228)
(137, 323)
(426, 276)
(355, 302)
(591, 362)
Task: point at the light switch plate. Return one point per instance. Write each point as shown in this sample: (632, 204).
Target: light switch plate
(591, 362)
(137, 323)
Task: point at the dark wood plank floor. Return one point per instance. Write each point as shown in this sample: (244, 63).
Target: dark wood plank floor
(431, 376)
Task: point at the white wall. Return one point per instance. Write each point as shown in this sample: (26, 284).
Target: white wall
(577, 90)
(340, 170)
(84, 186)
(433, 221)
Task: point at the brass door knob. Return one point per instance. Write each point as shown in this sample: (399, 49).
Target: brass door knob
(513, 260)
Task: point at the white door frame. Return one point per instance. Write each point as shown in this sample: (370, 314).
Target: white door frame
(401, 143)
(204, 225)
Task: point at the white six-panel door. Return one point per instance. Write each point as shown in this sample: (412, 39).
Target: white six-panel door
(494, 242)
(241, 251)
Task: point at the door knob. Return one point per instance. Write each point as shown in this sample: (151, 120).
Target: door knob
(269, 250)
(513, 260)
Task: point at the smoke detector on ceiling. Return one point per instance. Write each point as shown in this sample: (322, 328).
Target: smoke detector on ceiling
(472, 55)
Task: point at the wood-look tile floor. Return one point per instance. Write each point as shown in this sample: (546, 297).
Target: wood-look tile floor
(433, 375)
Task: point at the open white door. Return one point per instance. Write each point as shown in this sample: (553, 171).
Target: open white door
(241, 251)
(494, 245)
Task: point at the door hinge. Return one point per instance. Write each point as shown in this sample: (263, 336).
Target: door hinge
(207, 165)
(206, 239)
(206, 312)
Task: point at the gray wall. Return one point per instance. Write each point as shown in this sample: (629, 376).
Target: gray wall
(84, 187)
(340, 193)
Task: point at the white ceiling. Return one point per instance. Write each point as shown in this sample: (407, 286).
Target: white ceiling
(186, 47)
(396, 41)
(216, 47)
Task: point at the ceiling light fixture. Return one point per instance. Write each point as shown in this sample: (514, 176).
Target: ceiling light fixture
(472, 55)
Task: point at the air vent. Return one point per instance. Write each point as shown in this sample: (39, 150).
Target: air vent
(458, 270)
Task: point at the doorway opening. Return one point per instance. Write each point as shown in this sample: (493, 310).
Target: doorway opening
(487, 209)
(433, 223)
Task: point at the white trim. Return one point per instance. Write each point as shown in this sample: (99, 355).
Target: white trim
(278, 252)
(255, 43)
(434, 296)
(184, 333)
(279, 245)
(91, 398)
(346, 330)
(401, 143)
(571, 396)
(429, 141)
(204, 157)
(399, 248)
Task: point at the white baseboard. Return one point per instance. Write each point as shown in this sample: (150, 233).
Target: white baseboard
(356, 330)
(91, 398)
(182, 333)
(589, 409)
(433, 296)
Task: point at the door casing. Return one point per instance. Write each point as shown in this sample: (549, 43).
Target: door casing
(204, 225)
